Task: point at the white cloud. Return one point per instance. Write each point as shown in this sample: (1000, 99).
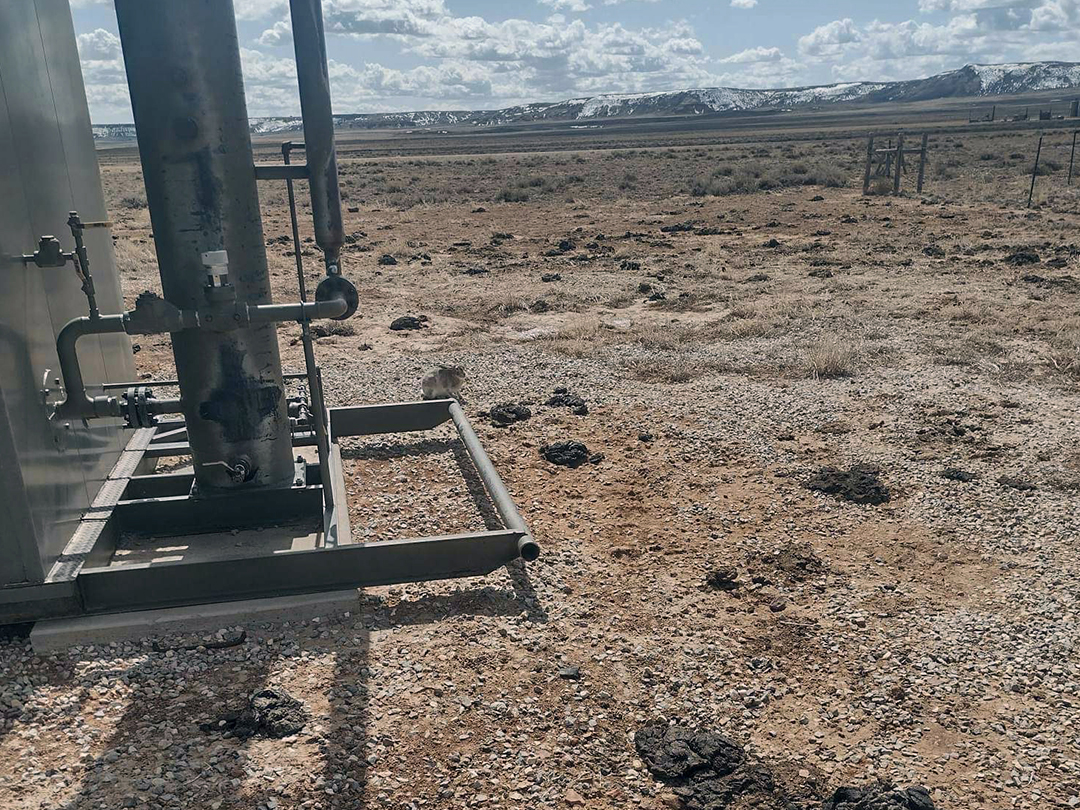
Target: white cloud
(975, 31)
(576, 6)
(743, 3)
(259, 9)
(829, 38)
(280, 33)
(757, 54)
(98, 45)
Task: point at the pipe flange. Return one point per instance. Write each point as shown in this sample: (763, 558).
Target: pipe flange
(137, 407)
(333, 287)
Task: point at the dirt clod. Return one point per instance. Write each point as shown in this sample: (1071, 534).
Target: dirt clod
(566, 454)
(1021, 257)
(956, 474)
(407, 322)
(1015, 482)
(723, 579)
(882, 796)
(859, 484)
(270, 713)
(678, 752)
(562, 398)
(508, 413)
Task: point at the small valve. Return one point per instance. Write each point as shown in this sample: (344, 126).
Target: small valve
(239, 471)
(218, 287)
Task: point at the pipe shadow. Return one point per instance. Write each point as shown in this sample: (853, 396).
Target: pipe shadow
(157, 755)
(474, 485)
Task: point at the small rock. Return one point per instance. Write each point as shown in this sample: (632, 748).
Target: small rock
(1015, 482)
(408, 322)
(572, 797)
(956, 474)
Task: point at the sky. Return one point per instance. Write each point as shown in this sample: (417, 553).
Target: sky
(398, 55)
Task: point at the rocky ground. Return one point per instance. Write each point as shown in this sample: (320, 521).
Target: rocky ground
(731, 350)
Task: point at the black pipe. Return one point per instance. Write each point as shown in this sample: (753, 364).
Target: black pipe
(312, 310)
(528, 548)
(313, 77)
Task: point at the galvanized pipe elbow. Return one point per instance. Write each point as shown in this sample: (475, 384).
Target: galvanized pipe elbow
(77, 404)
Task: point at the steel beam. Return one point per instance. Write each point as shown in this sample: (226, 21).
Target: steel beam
(154, 585)
(281, 172)
(181, 514)
(401, 417)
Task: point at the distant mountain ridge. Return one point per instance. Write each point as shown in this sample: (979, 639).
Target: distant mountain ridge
(968, 81)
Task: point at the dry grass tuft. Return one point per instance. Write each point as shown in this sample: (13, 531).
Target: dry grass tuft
(134, 257)
(1064, 355)
(672, 370)
(831, 357)
(579, 338)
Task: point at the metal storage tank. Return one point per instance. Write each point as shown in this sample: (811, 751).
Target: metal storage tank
(49, 471)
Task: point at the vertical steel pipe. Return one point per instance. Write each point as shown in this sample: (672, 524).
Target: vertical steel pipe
(313, 77)
(187, 96)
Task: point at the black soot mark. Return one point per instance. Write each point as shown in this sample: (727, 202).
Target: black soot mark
(242, 402)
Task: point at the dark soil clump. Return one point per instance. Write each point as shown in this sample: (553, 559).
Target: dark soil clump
(710, 771)
(706, 770)
(1015, 482)
(956, 474)
(566, 454)
(882, 796)
(407, 322)
(678, 752)
(562, 398)
(270, 713)
(508, 413)
(859, 484)
(794, 563)
(1022, 257)
(723, 579)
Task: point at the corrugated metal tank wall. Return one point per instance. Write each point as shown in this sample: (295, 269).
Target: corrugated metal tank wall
(49, 472)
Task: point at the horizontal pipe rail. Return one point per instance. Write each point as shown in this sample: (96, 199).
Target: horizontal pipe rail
(504, 504)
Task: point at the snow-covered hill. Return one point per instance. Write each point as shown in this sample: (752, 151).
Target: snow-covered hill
(968, 81)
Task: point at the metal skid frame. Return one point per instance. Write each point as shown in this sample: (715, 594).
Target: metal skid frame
(86, 579)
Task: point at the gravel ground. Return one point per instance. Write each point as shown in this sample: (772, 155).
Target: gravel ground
(929, 640)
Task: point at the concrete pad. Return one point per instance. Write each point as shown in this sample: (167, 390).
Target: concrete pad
(56, 635)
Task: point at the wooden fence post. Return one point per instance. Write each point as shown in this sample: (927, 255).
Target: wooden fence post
(899, 163)
(922, 161)
(1072, 157)
(869, 163)
(1035, 171)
